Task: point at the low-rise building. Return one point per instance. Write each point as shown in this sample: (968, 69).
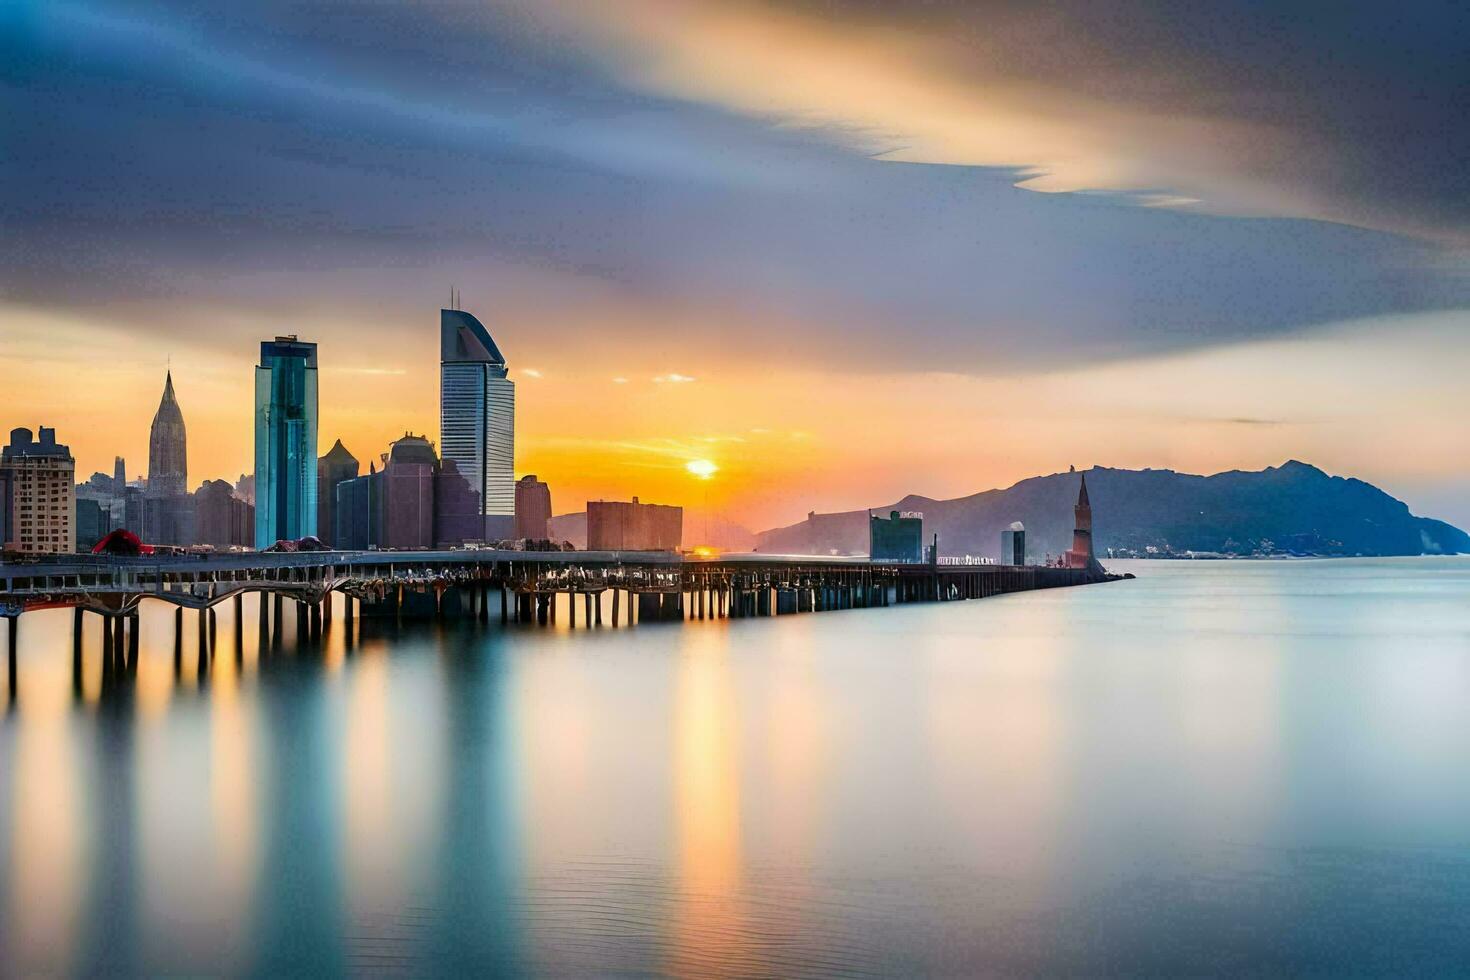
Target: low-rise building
(615, 525)
(1013, 544)
(897, 537)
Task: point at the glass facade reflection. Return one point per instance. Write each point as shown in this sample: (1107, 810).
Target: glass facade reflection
(477, 405)
(285, 441)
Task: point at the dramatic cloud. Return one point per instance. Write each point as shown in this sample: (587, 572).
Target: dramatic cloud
(187, 168)
(1348, 114)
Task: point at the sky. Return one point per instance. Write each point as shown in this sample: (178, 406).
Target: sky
(847, 250)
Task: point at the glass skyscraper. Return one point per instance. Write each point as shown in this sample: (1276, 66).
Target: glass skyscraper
(285, 441)
(477, 409)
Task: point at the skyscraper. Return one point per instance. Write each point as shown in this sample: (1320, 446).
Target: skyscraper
(476, 433)
(168, 513)
(285, 441)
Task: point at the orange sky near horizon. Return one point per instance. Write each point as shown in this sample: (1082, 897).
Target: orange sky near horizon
(1378, 399)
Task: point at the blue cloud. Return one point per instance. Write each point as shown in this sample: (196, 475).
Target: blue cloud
(182, 154)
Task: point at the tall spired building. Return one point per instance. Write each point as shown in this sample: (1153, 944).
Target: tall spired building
(168, 514)
(285, 441)
(167, 447)
(477, 407)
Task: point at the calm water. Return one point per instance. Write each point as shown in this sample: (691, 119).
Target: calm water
(1217, 768)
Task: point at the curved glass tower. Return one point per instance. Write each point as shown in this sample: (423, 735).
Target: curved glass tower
(477, 408)
(285, 441)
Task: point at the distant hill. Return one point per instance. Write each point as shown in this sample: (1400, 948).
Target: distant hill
(1289, 509)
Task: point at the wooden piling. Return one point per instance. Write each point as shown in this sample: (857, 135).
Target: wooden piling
(76, 649)
(133, 643)
(12, 643)
(106, 651)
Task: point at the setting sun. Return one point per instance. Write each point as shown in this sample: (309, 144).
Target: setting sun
(701, 468)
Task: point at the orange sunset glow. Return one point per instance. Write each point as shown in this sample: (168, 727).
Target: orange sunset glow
(793, 439)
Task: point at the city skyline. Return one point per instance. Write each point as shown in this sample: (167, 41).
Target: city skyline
(590, 471)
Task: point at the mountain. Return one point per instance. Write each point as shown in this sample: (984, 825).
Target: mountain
(1289, 509)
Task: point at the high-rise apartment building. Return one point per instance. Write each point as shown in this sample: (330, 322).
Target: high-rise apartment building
(476, 433)
(285, 441)
(533, 508)
(38, 475)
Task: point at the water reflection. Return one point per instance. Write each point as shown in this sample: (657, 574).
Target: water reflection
(296, 916)
(1245, 766)
(109, 818)
(709, 929)
(476, 853)
(45, 777)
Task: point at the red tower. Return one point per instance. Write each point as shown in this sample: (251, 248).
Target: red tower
(1080, 555)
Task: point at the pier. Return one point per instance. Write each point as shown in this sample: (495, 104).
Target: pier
(487, 586)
